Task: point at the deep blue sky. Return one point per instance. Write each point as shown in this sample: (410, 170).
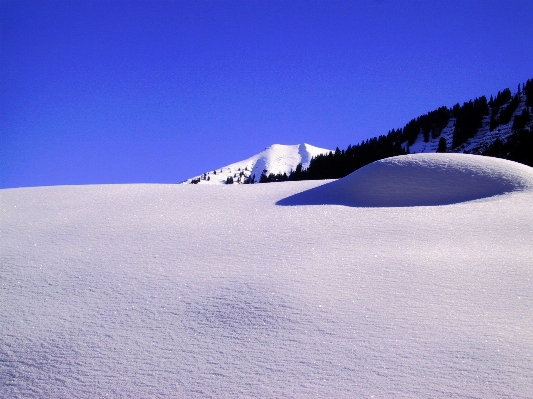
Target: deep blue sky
(159, 91)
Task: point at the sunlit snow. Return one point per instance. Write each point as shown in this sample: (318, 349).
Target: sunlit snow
(421, 180)
(275, 159)
(218, 291)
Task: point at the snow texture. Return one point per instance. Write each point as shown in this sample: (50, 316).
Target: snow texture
(186, 291)
(276, 159)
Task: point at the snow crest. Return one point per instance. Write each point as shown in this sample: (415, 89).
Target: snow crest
(421, 180)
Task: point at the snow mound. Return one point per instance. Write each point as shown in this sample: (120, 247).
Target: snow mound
(420, 180)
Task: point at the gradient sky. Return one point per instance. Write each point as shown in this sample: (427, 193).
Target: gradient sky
(159, 91)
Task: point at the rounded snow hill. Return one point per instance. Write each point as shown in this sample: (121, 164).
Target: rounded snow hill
(420, 180)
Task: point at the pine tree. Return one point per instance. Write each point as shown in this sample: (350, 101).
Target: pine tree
(520, 121)
(442, 145)
(528, 90)
(263, 178)
(507, 113)
(469, 119)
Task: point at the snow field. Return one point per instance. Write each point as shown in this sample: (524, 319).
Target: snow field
(216, 291)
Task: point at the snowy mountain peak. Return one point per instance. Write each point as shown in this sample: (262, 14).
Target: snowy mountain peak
(275, 159)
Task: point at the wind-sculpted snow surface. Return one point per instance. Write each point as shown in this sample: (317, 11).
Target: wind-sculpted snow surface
(188, 291)
(421, 180)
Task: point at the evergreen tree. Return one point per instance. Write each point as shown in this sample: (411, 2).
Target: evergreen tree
(520, 121)
(518, 147)
(340, 163)
(263, 178)
(528, 90)
(469, 118)
(501, 99)
(442, 145)
(250, 179)
(507, 113)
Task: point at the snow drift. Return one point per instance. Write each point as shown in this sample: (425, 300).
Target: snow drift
(421, 180)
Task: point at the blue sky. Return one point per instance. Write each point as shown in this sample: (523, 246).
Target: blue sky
(158, 91)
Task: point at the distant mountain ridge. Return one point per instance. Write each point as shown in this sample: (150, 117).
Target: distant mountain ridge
(277, 159)
(500, 127)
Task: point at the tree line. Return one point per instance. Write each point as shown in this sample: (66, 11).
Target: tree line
(468, 119)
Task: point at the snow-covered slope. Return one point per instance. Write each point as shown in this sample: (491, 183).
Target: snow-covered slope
(475, 145)
(276, 159)
(172, 291)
